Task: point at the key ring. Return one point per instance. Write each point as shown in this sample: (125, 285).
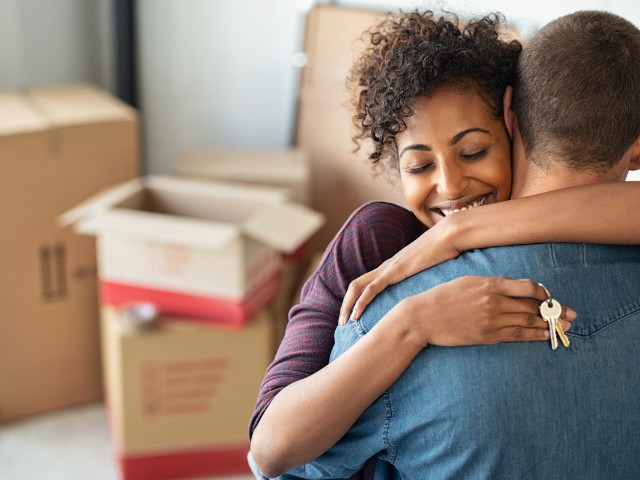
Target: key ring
(546, 290)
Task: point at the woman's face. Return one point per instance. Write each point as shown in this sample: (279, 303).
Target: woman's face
(453, 155)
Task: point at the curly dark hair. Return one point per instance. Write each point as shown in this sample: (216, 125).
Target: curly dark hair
(413, 54)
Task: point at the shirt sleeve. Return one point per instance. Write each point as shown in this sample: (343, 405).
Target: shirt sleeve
(372, 234)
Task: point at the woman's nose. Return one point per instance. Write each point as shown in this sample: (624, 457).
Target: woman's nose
(451, 180)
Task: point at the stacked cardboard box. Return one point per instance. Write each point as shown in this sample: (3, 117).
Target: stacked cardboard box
(207, 256)
(180, 394)
(58, 145)
(286, 169)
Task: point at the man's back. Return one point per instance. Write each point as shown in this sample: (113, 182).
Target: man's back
(516, 410)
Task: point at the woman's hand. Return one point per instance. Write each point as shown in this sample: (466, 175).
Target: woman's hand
(434, 246)
(480, 310)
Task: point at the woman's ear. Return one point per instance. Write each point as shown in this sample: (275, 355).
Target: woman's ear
(507, 110)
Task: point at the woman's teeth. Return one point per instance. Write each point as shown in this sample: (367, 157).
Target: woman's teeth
(475, 204)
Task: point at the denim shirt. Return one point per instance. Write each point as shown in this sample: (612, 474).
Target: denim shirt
(513, 410)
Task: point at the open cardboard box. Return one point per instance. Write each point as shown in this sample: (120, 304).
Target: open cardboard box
(201, 249)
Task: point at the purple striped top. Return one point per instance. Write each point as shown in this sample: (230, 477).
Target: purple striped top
(372, 234)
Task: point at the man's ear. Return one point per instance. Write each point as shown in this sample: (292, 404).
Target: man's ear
(507, 110)
(634, 163)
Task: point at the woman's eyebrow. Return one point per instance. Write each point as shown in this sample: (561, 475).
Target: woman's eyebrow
(458, 136)
(416, 146)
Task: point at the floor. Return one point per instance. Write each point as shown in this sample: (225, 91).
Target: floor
(66, 445)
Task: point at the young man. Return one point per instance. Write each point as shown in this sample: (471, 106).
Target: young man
(524, 410)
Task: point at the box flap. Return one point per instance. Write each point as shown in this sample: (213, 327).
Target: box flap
(100, 203)
(285, 226)
(160, 228)
(18, 116)
(72, 105)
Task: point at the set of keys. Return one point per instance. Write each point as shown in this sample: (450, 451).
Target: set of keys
(550, 309)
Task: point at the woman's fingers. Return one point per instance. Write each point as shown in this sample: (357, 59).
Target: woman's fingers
(366, 287)
(524, 288)
(529, 289)
(368, 294)
(354, 291)
(519, 334)
(568, 314)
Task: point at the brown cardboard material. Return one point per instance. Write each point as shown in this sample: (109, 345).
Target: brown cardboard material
(180, 388)
(206, 240)
(341, 180)
(58, 145)
(287, 169)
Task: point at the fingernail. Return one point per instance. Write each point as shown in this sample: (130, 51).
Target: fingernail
(566, 325)
(341, 319)
(571, 314)
(546, 334)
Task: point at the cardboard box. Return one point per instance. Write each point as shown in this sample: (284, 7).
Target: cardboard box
(287, 169)
(58, 145)
(180, 395)
(199, 249)
(341, 179)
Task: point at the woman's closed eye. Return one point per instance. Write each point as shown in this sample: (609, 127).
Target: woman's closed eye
(475, 154)
(417, 169)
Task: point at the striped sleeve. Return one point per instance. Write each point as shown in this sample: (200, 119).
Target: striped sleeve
(372, 234)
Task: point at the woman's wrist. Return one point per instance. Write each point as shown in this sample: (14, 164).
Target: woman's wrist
(457, 232)
(405, 316)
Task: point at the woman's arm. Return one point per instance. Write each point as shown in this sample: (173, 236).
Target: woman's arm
(372, 234)
(604, 213)
(599, 213)
(309, 416)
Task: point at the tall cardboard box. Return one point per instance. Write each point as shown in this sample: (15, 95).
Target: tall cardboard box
(180, 394)
(58, 145)
(341, 180)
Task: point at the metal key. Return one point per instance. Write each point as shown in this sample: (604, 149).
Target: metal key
(551, 310)
(563, 336)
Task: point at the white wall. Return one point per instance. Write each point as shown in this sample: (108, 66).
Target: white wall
(216, 73)
(55, 41)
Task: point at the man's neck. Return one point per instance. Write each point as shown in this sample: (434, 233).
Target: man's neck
(540, 180)
(531, 179)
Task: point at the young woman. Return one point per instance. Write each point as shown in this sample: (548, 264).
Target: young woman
(430, 96)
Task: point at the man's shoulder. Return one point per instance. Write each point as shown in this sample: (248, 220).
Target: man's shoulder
(552, 254)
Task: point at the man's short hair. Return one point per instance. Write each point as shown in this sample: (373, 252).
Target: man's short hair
(577, 96)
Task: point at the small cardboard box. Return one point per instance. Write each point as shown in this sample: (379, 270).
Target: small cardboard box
(180, 394)
(58, 145)
(287, 169)
(200, 249)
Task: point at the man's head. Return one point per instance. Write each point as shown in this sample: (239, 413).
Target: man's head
(577, 97)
